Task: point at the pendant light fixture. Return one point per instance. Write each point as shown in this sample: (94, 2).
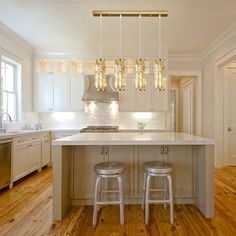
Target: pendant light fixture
(160, 79)
(120, 69)
(159, 65)
(100, 67)
(140, 81)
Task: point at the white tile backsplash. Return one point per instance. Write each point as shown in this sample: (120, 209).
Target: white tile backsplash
(77, 120)
(25, 122)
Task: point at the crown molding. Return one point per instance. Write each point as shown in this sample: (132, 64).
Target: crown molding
(219, 42)
(14, 37)
(176, 58)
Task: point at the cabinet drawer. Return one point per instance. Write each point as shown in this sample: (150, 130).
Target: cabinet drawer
(45, 136)
(26, 138)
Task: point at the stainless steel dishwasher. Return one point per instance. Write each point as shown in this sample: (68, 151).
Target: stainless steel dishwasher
(5, 163)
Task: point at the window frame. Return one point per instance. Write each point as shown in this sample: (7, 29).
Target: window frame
(16, 85)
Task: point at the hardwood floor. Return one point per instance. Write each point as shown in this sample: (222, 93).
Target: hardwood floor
(27, 210)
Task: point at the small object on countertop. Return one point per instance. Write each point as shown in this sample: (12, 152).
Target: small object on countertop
(141, 124)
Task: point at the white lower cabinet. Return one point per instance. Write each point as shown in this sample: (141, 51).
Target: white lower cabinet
(46, 151)
(123, 154)
(86, 157)
(27, 158)
(31, 152)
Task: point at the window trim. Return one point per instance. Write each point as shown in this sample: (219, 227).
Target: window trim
(16, 91)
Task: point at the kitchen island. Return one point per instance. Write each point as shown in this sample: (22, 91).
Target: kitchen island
(74, 158)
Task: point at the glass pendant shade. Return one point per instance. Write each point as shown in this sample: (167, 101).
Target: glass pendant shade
(140, 81)
(100, 78)
(159, 74)
(120, 74)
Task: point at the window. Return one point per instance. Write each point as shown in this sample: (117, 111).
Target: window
(9, 88)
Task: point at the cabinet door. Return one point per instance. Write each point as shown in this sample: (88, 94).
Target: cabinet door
(76, 91)
(126, 98)
(33, 156)
(123, 154)
(45, 152)
(44, 92)
(85, 158)
(144, 154)
(60, 93)
(142, 99)
(160, 100)
(181, 157)
(19, 162)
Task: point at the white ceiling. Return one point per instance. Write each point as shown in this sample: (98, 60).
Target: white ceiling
(60, 25)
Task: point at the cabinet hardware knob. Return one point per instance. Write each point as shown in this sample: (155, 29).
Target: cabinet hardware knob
(229, 129)
(162, 150)
(166, 150)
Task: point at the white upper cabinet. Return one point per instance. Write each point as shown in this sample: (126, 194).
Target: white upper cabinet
(159, 100)
(60, 93)
(43, 92)
(59, 85)
(76, 90)
(133, 100)
(126, 97)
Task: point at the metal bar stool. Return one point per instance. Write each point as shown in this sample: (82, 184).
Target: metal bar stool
(157, 169)
(108, 170)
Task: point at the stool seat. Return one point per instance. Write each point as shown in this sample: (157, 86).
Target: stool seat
(157, 167)
(109, 168)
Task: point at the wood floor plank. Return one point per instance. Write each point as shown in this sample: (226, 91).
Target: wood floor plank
(26, 210)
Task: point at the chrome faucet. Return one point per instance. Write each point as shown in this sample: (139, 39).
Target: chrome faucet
(2, 129)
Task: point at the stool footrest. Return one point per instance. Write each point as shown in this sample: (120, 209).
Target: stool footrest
(158, 201)
(110, 191)
(109, 203)
(157, 190)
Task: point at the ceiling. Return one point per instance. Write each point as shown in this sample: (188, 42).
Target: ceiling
(68, 25)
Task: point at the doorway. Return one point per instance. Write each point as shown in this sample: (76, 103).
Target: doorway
(183, 104)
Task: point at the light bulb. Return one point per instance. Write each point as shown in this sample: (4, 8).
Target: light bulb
(140, 81)
(100, 79)
(120, 74)
(159, 74)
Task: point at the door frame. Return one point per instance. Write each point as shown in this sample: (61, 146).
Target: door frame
(226, 120)
(176, 108)
(220, 146)
(192, 114)
(197, 74)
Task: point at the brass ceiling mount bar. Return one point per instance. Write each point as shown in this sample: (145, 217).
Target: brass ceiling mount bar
(131, 13)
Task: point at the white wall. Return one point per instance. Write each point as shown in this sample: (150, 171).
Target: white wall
(212, 120)
(11, 45)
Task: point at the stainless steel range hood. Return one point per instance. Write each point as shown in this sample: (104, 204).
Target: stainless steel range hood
(91, 93)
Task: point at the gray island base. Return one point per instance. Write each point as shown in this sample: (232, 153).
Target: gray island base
(74, 158)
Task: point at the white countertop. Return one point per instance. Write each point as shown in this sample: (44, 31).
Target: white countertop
(12, 134)
(135, 138)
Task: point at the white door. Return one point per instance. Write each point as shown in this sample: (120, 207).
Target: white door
(230, 117)
(188, 108)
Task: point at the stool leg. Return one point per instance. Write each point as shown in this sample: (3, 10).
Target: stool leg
(171, 199)
(165, 190)
(95, 207)
(144, 187)
(147, 190)
(120, 183)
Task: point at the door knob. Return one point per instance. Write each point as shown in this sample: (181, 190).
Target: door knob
(229, 129)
